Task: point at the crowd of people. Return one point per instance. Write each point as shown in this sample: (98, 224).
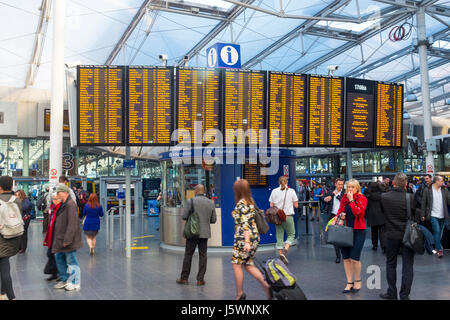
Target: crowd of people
(66, 211)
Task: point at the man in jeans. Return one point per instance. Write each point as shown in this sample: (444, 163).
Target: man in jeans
(286, 199)
(434, 208)
(207, 215)
(67, 239)
(394, 208)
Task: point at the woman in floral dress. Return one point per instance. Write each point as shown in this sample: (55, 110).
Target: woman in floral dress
(246, 238)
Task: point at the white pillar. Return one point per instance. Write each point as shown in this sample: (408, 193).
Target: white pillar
(427, 123)
(128, 206)
(57, 92)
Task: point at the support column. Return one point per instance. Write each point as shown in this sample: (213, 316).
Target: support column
(425, 81)
(26, 158)
(57, 93)
(349, 170)
(128, 206)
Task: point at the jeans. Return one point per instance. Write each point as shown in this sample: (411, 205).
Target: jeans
(5, 274)
(191, 244)
(392, 248)
(67, 262)
(289, 227)
(438, 227)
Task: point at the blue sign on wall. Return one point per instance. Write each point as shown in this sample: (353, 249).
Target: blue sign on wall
(35, 166)
(129, 164)
(12, 166)
(120, 194)
(224, 55)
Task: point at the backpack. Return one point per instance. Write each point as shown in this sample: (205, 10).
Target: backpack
(11, 223)
(42, 202)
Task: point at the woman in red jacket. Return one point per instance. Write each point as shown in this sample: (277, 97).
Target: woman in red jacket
(352, 210)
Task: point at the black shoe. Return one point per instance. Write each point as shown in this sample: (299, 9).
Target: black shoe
(349, 290)
(312, 219)
(387, 296)
(374, 248)
(242, 297)
(405, 298)
(338, 260)
(52, 277)
(355, 290)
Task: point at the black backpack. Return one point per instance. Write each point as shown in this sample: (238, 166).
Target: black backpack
(42, 202)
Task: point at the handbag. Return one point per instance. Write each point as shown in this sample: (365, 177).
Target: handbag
(280, 212)
(413, 236)
(192, 226)
(340, 235)
(261, 223)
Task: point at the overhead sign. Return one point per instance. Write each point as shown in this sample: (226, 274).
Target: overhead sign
(224, 55)
(389, 114)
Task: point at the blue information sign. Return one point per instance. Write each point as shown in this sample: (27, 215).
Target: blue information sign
(129, 164)
(120, 194)
(224, 55)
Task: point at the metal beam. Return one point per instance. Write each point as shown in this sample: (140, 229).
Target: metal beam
(432, 100)
(433, 85)
(400, 3)
(332, 33)
(185, 8)
(293, 33)
(416, 71)
(128, 32)
(39, 40)
(438, 10)
(290, 16)
(234, 13)
(401, 53)
(386, 23)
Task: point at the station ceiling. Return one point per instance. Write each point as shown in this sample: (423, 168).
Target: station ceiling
(282, 35)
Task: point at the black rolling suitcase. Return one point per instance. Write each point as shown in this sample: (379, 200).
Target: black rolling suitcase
(445, 240)
(282, 282)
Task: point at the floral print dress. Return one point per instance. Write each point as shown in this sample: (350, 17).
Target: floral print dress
(244, 220)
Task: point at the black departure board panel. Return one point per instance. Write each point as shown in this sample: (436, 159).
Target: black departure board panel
(100, 105)
(199, 103)
(252, 173)
(47, 116)
(389, 113)
(150, 106)
(326, 111)
(244, 104)
(360, 113)
(287, 109)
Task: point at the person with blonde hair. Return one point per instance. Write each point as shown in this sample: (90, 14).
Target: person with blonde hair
(352, 211)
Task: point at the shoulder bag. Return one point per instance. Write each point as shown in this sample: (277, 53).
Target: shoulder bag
(340, 235)
(192, 226)
(261, 223)
(413, 236)
(275, 215)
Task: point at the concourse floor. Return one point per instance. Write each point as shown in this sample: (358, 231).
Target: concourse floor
(151, 273)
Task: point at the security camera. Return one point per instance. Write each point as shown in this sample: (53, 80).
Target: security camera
(332, 68)
(186, 60)
(163, 58)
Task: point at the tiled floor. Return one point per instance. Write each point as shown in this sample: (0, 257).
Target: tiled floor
(151, 273)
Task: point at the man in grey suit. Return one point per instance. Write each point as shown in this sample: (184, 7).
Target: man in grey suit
(207, 215)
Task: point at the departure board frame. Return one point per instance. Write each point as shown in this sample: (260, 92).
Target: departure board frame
(172, 107)
(375, 145)
(342, 113)
(360, 144)
(220, 101)
(122, 98)
(305, 107)
(265, 102)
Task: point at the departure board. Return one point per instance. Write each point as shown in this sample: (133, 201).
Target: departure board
(150, 106)
(287, 109)
(326, 111)
(389, 113)
(100, 105)
(47, 117)
(360, 113)
(244, 105)
(199, 103)
(252, 173)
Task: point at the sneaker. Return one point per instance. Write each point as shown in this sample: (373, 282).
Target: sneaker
(60, 285)
(72, 287)
(440, 253)
(3, 297)
(284, 259)
(434, 252)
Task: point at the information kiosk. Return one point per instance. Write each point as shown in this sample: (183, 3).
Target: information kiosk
(179, 180)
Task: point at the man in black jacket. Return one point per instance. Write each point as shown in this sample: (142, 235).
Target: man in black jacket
(332, 200)
(393, 206)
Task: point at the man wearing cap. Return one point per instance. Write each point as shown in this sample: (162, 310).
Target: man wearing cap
(66, 240)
